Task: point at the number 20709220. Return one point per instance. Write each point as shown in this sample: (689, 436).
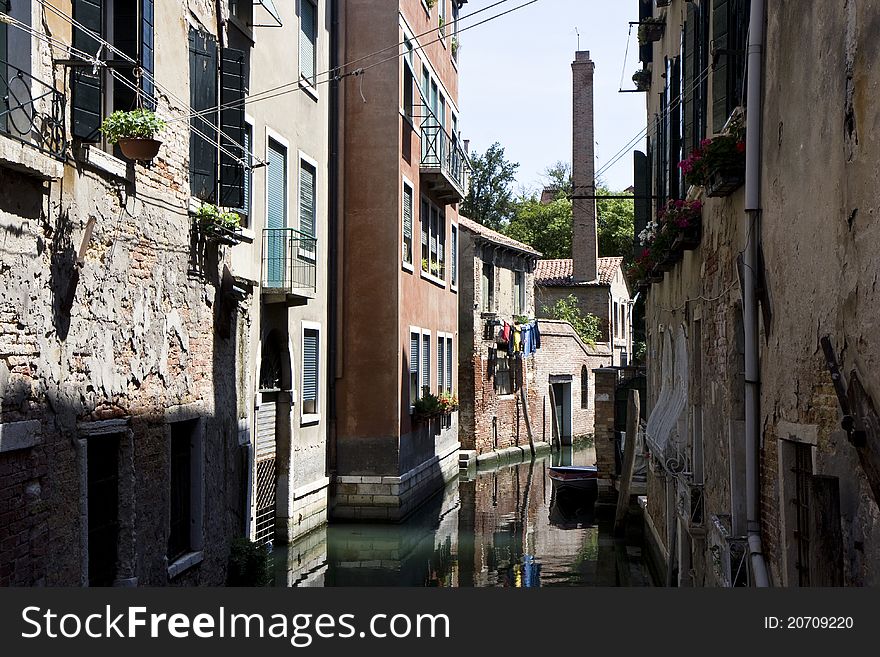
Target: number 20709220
(808, 623)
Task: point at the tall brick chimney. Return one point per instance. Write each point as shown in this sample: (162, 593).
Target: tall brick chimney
(583, 167)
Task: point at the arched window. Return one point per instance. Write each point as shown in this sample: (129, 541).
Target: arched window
(585, 387)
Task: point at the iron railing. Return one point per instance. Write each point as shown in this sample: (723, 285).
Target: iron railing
(289, 260)
(31, 111)
(440, 151)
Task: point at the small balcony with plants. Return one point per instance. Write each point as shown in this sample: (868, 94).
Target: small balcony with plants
(678, 228)
(718, 164)
(445, 169)
(289, 266)
(651, 29)
(218, 225)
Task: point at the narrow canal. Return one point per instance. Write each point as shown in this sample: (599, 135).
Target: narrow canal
(505, 526)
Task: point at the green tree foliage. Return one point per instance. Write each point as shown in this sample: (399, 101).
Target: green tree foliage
(490, 200)
(559, 178)
(615, 219)
(544, 227)
(584, 324)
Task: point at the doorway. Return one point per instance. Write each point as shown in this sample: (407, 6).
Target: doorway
(562, 398)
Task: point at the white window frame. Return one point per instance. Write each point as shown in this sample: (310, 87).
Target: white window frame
(416, 208)
(304, 157)
(414, 330)
(422, 383)
(276, 137)
(442, 384)
(434, 211)
(309, 418)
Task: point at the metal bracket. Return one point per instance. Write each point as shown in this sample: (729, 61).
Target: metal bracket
(851, 423)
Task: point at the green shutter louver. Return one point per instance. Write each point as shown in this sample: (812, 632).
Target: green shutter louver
(690, 75)
(721, 68)
(307, 176)
(454, 255)
(308, 36)
(232, 125)
(426, 361)
(148, 52)
(310, 365)
(276, 185)
(414, 353)
(203, 96)
(407, 223)
(449, 385)
(441, 365)
(87, 87)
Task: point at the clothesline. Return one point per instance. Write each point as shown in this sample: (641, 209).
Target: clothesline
(522, 339)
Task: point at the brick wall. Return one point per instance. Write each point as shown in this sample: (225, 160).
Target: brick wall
(584, 242)
(606, 386)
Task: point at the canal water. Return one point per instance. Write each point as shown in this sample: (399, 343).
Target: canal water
(505, 526)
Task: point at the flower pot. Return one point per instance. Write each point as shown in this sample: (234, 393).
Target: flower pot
(689, 239)
(139, 149)
(723, 181)
(650, 32)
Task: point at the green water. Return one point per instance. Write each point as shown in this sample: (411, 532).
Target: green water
(501, 527)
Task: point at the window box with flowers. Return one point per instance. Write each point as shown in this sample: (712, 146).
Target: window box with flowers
(642, 79)
(678, 228)
(218, 225)
(718, 164)
(430, 406)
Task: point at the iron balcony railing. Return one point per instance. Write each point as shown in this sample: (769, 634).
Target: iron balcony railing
(31, 111)
(289, 261)
(440, 151)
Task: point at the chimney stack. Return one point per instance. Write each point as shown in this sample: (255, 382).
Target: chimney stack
(583, 167)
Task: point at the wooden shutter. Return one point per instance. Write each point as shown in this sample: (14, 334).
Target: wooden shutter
(449, 385)
(690, 74)
(721, 69)
(310, 366)
(248, 173)
(441, 364)
(674, 146)
(232, 126)
(307, 199)
(307, 40)
(276, 185)
(414, 353)
(454, 255)
(87, 88)
(642, 202)
(148, 51)
(407, 222)
(426, 361)
(203, 96)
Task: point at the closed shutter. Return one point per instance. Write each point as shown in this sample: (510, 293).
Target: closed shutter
(426, 227)
(414, 352)
(689, 67)
(276, 185)
(642, 201)
(310, 371)
(307, 199)
(675, 129)
(248, 172)
(148, 51)
(407, 223)
(441, 365)
(232, 126)
(203, 96)
(454, 255)
(721, 70)
(307, 40)
(87, 87)
(449, 385)
(426, 361)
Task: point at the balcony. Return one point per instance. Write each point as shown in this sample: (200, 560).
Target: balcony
(31, 112)
(289, 271)
(444, 167)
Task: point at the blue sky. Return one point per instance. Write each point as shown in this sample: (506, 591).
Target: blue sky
(516, 82)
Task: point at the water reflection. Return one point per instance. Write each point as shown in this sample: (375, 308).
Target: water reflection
(504, 527)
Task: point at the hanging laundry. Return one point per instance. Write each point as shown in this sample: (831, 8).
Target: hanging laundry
(517, 340)
(537, 335)
(505, 332)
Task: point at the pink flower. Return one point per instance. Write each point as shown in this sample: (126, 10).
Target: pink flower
(705, 143)
(740, 147)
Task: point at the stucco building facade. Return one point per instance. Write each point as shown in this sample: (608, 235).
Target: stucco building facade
(752, 479)
(403, 171)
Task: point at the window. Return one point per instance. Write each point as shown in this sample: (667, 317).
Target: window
(414, 354)
(426, 361)
(615, 318)
(695, 60)
(127, 25)
(441, 12)
(450, 384)
(488, 287)
(311, 362)
(307, 208)
(102, 457)
(246, 210)
(454, 255)
(730, 23)
(409, 81)
(407, 222)
(308, 39)
(182, 512)
(519, 293)
(276, 184)
(503, 378)
(441, 362)
(585, 387)
(433, 240)
(216, 146)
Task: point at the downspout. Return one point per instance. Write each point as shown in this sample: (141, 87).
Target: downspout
(750, 301)
(334, 237)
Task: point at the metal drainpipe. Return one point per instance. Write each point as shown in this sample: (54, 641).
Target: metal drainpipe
(750, 301)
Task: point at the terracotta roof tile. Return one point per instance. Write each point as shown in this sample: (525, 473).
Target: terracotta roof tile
(559, 273)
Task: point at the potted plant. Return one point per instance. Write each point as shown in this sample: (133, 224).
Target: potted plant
(426, 407)
(642, 79)
(718, 164)
(135, 132)
(683, 221)
(651, 29)
(447, 402)
(425, 266)
(455, 47)
(223, 225)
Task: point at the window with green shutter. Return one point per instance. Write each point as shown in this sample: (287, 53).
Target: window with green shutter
(414, 391)
(308, 40)
(426, 362)
(307, 209)
(449, 382)
(276, 212)
(441, 363)
(454, 255)
(310, 373)
(730, 23)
